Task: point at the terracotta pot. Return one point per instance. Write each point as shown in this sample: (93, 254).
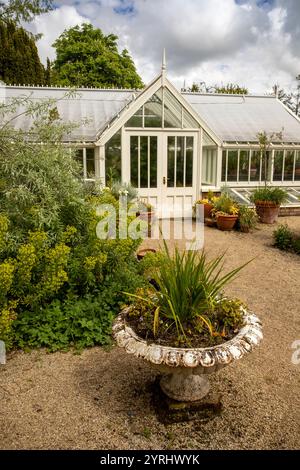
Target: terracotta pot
(267, 211)
(226, 222)
(141, 253)
(210, 222)
(207, 210)
(185, 370)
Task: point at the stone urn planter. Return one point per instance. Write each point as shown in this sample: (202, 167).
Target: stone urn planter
(267, 211)
(185, 371)
(226, 222)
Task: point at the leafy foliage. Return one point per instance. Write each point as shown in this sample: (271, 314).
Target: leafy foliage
(23, 10)
(85, 57)
(80, 323)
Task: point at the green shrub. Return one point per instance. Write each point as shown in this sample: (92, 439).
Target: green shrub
(296, 245)
(53, 267)
(283, 237)
(248, 218)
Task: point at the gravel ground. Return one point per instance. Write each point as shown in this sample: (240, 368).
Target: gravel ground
(101, 399)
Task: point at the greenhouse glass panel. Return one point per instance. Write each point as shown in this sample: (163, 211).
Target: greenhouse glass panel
(113, 158)
(244, 165)
(180, 162)
(232, 165)
(297, 166)
(189, 161)
(289, 165)
(153, 162)
(278, 163)
(172, 111)
(153, 111)
(255, 166)
(171, 161)
(224, 153)
(188, 122)
(136, 120)
(90, 163)
(134, 161)
(143, 162)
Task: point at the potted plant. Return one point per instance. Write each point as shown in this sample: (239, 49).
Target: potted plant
(267, 202)
(208, 204)
(183, 324)
(225, 211)
(248, 218)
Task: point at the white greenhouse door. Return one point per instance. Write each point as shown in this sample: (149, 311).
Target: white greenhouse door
(163, 168)
(179, 174)
(143, 168)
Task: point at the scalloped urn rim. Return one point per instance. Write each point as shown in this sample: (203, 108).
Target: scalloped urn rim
(249, 336)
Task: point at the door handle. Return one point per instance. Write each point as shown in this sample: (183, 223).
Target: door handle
(164, 180)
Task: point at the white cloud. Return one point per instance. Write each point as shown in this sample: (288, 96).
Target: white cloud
(212, 41)
(51, 25)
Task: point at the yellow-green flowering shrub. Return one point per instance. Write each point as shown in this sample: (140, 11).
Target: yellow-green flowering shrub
(54, 271)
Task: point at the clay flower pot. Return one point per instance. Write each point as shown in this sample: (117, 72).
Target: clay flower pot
(267, 211)
(141, 253)
(185, 370)
(207, 210)
(226, 222)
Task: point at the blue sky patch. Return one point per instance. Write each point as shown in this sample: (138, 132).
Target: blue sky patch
(125, 8)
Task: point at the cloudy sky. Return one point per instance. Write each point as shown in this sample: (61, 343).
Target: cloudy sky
(251, 42)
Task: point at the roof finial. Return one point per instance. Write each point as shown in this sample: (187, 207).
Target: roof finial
(164, 63)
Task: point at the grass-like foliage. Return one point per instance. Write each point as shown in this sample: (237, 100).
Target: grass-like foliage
(269, 194)
(187, 289)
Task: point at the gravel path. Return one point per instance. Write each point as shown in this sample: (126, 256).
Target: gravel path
(101, 398)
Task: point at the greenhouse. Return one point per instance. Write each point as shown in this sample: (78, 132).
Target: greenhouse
(175, 146)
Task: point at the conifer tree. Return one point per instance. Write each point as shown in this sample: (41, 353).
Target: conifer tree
(19, 59)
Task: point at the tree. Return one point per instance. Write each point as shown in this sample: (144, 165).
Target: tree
(23, 10)
(48, 73)
(85, 57)
(231, 89)
(19, 59)
(289, 99)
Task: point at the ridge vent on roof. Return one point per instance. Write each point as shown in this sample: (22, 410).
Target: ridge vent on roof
(237, 95)
(57, 87)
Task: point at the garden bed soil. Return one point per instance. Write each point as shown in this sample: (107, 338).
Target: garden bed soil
(169, 337)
